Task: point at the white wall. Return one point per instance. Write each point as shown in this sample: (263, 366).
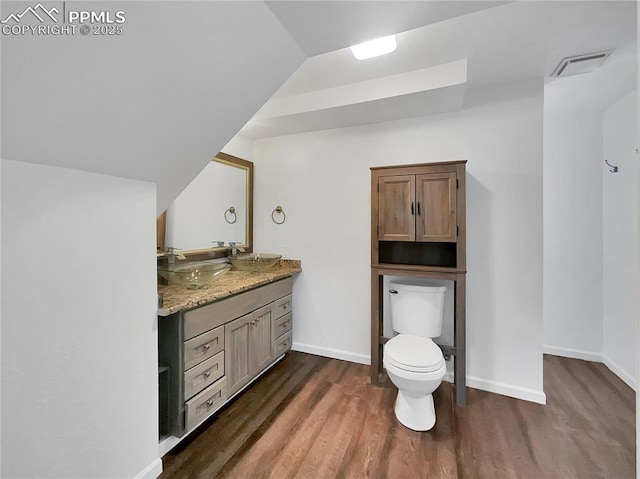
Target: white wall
(620, 239)
(573, 233)
(322, 181)
(590, 233)
(79, 338)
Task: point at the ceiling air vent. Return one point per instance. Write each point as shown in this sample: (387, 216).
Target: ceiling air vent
(580, 64)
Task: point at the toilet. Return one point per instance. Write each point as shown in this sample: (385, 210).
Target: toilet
(414, 363)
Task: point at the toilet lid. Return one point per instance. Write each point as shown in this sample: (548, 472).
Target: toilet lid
(413, 353)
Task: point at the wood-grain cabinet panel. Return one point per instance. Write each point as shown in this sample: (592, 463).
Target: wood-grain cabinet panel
(237, 345)
(248, 346)
(282, 325)
(436, 207)
(204, 318)
(282, 344)
(396, 209)
(203, 347)
(206, 403)
(283, 306)
(203, 375)
(417, 207)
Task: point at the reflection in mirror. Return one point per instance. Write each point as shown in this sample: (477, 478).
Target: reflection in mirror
(215, 207)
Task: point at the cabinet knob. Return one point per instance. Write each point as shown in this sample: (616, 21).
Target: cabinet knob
(210, 402)
(207, 374)
(206, 346)
(252, 322)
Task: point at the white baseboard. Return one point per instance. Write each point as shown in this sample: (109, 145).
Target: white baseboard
(572, 353)
(152, 471)
(486, 385)
(618, 371)
(448, 377)
(532, 395)
(332, 353)
(595, 357)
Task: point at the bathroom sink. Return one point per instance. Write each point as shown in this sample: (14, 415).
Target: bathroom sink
(254, 262)
(193, 275)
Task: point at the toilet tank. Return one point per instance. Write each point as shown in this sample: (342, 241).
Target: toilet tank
(416, 309)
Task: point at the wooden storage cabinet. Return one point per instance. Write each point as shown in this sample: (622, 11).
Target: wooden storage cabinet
(418, 229)
(215, 350)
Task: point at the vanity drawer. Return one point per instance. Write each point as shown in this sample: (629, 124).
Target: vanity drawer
(281, 325)
(282, 306)
(203, 375)
(205, 403)
(282, 344)
(203, 347)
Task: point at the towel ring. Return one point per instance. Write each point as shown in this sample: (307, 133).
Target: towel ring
(278, 210)
(230, 211)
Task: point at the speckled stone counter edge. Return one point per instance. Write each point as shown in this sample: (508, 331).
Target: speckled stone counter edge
(176, 298)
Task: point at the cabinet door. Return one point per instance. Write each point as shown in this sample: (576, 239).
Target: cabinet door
(237, 340)
(436, 207)
(260, 344)
(396, 209)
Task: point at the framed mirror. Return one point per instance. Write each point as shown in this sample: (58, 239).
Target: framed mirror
(217, 206)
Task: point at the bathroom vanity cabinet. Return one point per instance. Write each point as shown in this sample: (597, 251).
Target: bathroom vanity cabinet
(418, 229)
(213, 351)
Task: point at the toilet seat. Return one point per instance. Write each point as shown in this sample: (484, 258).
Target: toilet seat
(413, 353)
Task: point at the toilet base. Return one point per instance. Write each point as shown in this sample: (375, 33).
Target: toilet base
(415, 412)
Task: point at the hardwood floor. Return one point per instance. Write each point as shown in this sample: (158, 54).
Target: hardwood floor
(313, 417)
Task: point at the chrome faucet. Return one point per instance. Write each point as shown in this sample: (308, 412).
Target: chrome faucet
(234, 248)
(172, 255)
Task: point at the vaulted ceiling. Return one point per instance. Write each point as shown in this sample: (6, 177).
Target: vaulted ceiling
(501, 43)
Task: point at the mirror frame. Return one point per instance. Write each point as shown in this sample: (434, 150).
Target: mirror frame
(217, 251)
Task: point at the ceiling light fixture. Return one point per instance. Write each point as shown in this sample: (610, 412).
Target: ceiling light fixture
(374, 48)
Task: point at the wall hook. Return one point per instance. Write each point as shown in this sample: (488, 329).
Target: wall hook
(278, 210)
(614, 169)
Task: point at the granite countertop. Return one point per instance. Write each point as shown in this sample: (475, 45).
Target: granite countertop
(177, 298)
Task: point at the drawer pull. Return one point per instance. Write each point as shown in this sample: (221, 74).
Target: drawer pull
(284, 306)
(216, 396)
(207, 374)
(206, 346)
